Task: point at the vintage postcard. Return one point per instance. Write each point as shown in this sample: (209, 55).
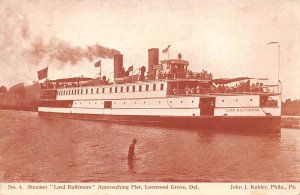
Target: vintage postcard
(149, 97)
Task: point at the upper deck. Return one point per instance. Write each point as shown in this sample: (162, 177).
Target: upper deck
(169, 78)
(95, 89)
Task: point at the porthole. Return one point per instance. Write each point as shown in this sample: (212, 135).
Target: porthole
(144, 102)
(124, 102)
(181, 101)
(236, 100)
(159, 102)
(251, 100)
(222, 100)
(170, 101)
(192, 101)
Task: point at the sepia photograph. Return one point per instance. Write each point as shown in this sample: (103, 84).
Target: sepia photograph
(158, 96)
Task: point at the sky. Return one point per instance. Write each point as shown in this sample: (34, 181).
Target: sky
(228, 38)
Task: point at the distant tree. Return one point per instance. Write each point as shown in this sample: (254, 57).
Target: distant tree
(3, 90)
(291, 107)
(288, 101)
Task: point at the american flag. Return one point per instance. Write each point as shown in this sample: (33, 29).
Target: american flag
(43, 73)
(167, 49)
(98, 64)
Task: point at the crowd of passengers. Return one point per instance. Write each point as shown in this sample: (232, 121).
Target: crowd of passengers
(204, 75)
(239, 87)
(222, 88)
(55, 85)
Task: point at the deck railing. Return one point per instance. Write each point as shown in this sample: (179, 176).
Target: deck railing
(196, 92)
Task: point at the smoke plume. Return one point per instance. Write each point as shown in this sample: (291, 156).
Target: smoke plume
(63, 52)
(22, 52)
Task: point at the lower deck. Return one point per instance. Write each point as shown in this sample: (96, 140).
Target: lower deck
(237, 105)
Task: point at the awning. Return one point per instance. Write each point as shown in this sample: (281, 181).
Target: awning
(229, 80)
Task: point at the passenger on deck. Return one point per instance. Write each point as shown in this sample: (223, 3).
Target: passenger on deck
(193, 90)
(174, 91)
(187, 90)
(252, 87)
(223, 88)
(247, 85)
(227, 89)
(257, 86)
(261, 87)
(198, 89)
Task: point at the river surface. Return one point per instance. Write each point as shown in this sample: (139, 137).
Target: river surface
(41, 149)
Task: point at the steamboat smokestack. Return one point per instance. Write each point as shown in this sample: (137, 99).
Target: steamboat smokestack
(153, 56)
(118, 65)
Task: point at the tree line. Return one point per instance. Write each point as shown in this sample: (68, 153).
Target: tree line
(20, 97)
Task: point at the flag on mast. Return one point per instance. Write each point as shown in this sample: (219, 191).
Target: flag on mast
(98, 64)
(43, 73)
(167, 49)
(130, 68)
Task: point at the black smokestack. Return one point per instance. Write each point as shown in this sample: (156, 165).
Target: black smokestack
(153, 55)
(118, 65)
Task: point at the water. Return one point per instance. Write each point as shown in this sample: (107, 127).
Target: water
(41, 149)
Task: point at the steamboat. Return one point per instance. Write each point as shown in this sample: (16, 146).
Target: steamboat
(165, 94)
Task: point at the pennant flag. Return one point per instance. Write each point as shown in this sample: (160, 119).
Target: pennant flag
(167, 49)
(43, 73)
(98, 64)
(130, 68)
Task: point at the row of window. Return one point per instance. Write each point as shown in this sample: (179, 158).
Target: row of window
(134, 102)
(109, 90)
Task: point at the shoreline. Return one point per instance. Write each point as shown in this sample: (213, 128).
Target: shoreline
(24, 109)
(290, 121)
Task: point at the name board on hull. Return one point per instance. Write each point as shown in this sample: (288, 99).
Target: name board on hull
(241, 110)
